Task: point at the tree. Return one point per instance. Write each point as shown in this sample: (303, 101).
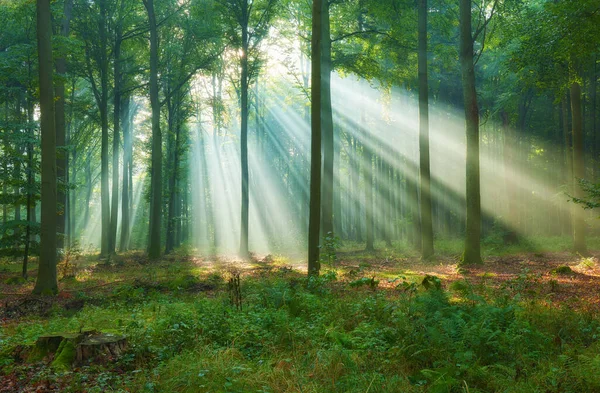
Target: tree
(472, 252)
(97, 61)
(249, 23)
(154, 230)
(425, 176)
(46, 282)
(327, 123)
(578, 167)
(314, 223)
(61, 159)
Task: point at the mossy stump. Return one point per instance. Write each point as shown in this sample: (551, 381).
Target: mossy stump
(67, 349)
(101, 345)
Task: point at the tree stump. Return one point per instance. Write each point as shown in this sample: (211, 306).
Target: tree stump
(67, 349)
(101, 345)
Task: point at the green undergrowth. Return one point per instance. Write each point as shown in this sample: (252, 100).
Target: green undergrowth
(329, 334)
(492, 245)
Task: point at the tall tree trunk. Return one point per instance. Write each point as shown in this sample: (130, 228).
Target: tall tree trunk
(73, 200)
(60, 124)
(114, 209)
(357, 197)
(594, 116)
(172, 213)
(244, 136)
(412, 190)
(314, 223)
(46, 282)
(424, 165)
(472, 253)
(579, 245)
(127, 146)
(326, 124)
(368, 176)
(512, 218)
(88, 194)
(154, 244)
(103, 107)
(30, 185)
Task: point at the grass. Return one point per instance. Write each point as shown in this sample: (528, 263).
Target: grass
(492, 246)
(336, 333)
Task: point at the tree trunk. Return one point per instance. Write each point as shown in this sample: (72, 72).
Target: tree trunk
(326, 124)
(127, 146)
(472, 253)
(114, 209)
(46, 282)
(510, 236)
(30, 185)
(424, 165)
(154, 244)
(88, 194)
(244, 136)
(314, 264)
(60, 124)
(579, 245)
(172, 213)
(368, 176)
(102, 100)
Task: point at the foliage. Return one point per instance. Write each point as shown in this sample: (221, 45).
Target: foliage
(325, 334)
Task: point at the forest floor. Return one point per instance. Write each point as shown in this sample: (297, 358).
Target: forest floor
(377, 322)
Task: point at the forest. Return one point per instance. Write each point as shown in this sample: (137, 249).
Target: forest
(300, 196)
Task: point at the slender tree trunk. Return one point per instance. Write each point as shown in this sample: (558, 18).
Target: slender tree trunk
(424, 165)
(114, 209)
(512, 218)
(579, 245)
(472, 253)
(30, 185)
(60, 124)
(127, 146)
(358, 169)
(314, 264)
(103, 108)
(154, 244)
(594, 116)
(326, 125)
(88, 194)
(73, 200)
(46, 282)
(172, 214)
(368, 176)
(244, 252)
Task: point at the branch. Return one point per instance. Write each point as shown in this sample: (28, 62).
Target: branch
(486, 22)
(344, 36)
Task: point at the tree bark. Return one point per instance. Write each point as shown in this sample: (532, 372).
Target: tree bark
(512, 218)
(424, 164)
(579, 245)
(326, 124)
(314, 264)
(127, 147)
(154, 244)
(244, 252)
(61, 158)
(472, 252)
(368, 176)
(114, 209)
(46, 282)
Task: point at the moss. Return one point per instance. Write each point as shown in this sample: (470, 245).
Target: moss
(65, 356)
(44, 346)
(563, 269)
(15, 281)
